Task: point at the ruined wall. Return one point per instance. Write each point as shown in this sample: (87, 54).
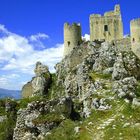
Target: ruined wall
(123, 44)
(135, 36)
(108, 27)
(72, 37)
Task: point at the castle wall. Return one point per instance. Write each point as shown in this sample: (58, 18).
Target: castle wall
(135, 36)
(72, 37)
(123, 44)
(108, 27)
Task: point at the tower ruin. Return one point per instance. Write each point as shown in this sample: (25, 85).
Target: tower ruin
(108, 27)
(135, 35)
(72, 37)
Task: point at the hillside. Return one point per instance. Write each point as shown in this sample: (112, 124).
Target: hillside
(94, 95)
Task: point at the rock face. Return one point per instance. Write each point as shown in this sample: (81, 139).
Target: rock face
(126, 87)
(90, 78)
(31, 122)
(39, 84)
(82, 78)
(27, 90)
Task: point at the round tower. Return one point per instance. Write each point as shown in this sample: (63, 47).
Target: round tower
(72, 37)
(135, 35)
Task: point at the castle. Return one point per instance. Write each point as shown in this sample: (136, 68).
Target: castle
(108, 27)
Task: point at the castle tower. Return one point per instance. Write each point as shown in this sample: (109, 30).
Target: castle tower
(135, 36)
(107, 27)
(72, 37)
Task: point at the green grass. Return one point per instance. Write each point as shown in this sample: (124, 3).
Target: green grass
(55, 90)
(65, 131)
(22, 103)
(130, 132)
(7, 128)
(95, 75)
(138, 89)
(48, 118)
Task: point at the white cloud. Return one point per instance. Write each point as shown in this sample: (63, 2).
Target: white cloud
(3, 29)
(86, 37)
(18, 56)
(38, 37)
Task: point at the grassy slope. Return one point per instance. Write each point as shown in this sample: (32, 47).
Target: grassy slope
(121, 122)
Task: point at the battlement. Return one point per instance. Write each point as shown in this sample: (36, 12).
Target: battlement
(72, 26)
(95, 15)
(135, 21)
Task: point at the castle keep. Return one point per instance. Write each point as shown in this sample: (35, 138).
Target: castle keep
(108, 27)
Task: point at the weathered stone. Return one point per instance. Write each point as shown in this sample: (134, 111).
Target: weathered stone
(27, 90)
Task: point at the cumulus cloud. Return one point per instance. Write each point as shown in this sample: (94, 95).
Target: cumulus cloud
(18, 56)
(38, 37)
(86, 37)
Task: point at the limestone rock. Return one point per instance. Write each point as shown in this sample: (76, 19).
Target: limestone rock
(28, 128)
(39, 84)
(119, 71)
(136, 102)
(27, 90)
(126, 87)
(3, 118)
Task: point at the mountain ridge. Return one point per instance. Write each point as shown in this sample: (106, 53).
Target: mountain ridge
(9, 93)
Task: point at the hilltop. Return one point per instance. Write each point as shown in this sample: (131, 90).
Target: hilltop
(94, 94)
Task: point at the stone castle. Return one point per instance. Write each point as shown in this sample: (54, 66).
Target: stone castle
(108, 28)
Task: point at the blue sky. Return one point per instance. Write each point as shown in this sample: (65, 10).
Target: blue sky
(32, 30)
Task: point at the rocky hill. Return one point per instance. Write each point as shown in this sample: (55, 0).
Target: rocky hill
(94, 95)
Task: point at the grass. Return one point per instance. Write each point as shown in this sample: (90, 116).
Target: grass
(7, 126)
(138, 89)
(95, 75)
(55, 90)
(65, 131)
(48, 118)
(22, 103)
(131, 132)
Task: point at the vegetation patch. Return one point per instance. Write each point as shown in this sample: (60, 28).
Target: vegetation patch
(95, 75)
(55, 90)
(65, 131)
(22, 103)
(138, 89)
(48, 118)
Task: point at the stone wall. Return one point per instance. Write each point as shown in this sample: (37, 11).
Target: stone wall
(72, 37)
(108, 27)
(123, 44)
(135, 36)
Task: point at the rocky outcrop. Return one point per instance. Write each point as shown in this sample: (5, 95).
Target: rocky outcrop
(40, 117)
(87, 76)
(126, 87)
(27, 90)
(39, 84)
(90, 78)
